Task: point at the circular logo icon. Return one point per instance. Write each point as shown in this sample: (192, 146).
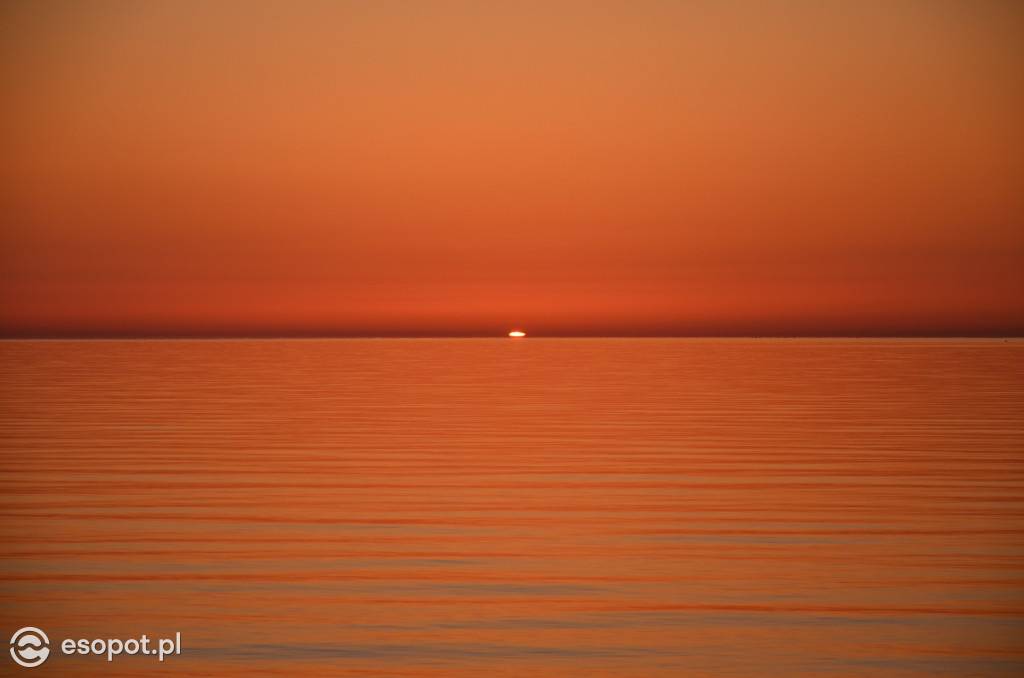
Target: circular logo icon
(30, 646)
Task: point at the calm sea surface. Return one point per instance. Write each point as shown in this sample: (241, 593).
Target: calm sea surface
(537, 507)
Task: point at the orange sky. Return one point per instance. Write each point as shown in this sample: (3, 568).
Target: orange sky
(422, 168)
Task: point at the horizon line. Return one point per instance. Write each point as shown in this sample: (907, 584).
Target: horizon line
(301, 337)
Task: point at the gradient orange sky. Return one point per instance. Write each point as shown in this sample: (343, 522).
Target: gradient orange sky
(447, 168)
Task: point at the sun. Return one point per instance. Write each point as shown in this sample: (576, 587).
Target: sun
(516, 333)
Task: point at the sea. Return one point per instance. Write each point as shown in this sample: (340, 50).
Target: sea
(515, 507)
